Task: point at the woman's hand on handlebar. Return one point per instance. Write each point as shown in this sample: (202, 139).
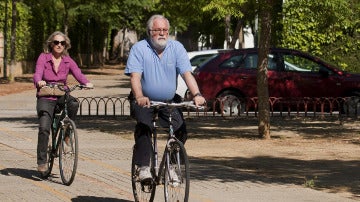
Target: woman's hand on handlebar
(89, 85)
(41, 83)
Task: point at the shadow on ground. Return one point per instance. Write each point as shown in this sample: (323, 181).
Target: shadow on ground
(333, 175)
(24, 173)
(97, 199)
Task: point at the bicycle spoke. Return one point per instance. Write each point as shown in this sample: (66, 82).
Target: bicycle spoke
(177, 175)
(68, 153)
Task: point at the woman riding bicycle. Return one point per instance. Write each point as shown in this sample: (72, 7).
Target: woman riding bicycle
(52, 67)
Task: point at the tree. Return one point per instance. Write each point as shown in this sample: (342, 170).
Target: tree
(226, 9)
(13, 41)
(265, 11)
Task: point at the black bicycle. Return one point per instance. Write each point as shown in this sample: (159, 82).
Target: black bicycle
(63, 142)
(174, 160)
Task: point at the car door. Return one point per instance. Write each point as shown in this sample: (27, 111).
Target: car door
(276, 74)
(306, 77)
(240, 72)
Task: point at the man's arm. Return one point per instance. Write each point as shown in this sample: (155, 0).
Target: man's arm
(193, 88)
(136, 88)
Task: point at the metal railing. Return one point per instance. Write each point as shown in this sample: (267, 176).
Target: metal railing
(324, 106)
(104, 106)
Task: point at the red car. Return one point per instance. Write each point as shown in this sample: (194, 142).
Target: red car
(291, 74)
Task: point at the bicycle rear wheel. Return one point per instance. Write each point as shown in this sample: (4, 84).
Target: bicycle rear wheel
(142, 191)
(177, 173)
(68, 152)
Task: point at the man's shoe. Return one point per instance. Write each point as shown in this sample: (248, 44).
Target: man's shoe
(174, 179)
(43, 168)
(145, 174)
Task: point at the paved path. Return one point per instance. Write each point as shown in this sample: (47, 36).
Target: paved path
(104, 164)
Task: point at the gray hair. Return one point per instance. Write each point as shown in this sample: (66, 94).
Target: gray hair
(150, 22)
(49, 41)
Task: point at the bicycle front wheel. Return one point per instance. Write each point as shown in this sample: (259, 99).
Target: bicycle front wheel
(68, 152)
(177, 174)
(143, 192)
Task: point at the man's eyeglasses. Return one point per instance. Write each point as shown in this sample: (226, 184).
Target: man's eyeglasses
(158, 31)
(63, 43)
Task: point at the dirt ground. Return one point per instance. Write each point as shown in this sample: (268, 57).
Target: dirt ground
(319, 153)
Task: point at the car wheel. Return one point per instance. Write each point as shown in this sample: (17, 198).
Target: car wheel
(232, 103)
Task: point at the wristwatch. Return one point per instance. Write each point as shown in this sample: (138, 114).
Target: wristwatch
(197, 94)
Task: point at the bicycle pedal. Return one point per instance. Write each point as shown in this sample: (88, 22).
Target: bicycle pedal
(147, 182)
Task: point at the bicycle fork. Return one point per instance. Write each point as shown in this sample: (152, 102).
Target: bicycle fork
(171, 150)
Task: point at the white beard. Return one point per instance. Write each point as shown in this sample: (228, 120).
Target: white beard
(159, 44)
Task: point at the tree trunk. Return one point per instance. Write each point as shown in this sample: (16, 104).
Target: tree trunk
(66, 18)
(262, 79)
(5, 40)
(238, 35)
(13, 40)
(227, 32)
(123, 43)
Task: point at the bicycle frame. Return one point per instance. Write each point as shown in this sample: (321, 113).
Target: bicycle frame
(58, 122)
(171, 138)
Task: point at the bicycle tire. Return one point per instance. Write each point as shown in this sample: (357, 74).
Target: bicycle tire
(142, 192)
(177, 159)
(68, 151)
(50, 157)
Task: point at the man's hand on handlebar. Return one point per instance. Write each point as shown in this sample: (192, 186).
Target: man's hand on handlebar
(143, 101)
(199, 100)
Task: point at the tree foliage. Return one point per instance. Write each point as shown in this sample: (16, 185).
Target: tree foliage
(224, 8)
(327, 28)
(22, 27)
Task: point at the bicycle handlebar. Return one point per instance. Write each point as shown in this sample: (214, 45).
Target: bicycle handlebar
(175, 105)
(67, 88)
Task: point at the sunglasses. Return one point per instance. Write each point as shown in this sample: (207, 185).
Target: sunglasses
(59, 42)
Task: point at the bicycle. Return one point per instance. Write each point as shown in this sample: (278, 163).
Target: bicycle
(174, 157)
(63, 142)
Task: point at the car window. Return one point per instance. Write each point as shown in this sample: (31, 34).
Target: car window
(197, 60)
(249, 61)
(274, 62)
(301, 64)
(232, 62)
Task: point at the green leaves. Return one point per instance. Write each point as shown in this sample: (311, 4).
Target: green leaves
(222, 8)
(323, 28)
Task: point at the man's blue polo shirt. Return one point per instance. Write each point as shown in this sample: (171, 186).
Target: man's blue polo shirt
(159, 75)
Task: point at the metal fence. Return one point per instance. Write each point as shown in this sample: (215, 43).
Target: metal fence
(340, 106)
(104, 106)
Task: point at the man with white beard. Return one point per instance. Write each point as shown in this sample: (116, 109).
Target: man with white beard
(153, 66)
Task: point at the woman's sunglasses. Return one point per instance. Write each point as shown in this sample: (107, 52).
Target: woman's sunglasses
(59, 42)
